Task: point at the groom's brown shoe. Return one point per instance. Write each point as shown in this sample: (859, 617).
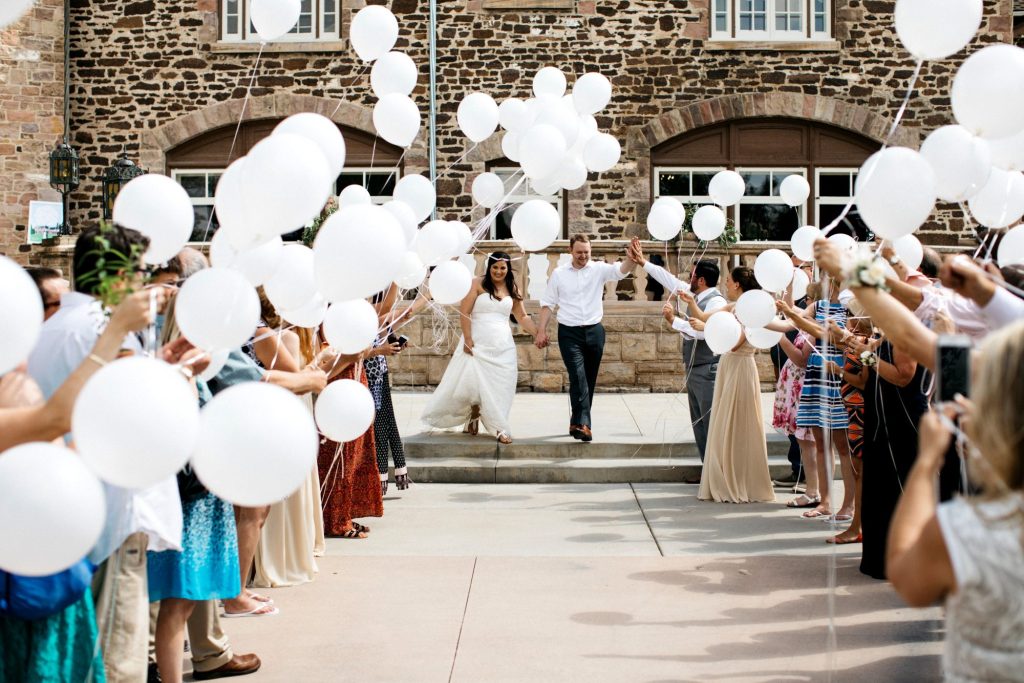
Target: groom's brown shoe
(576, 431)
(585, 434)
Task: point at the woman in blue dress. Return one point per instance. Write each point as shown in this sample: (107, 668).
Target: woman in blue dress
(821, 408)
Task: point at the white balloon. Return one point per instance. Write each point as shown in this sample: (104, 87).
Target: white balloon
(286, 181)
(160, 209)
(794, 190)
(394, 72)
(773, 270)
(761, 338)
(755, 308)
(47, 492)
(895, 192)
(510, 145)
(463, 237)
(591, 93)
(601, 152)
(488, 190)
(988, 92)
(1011, 248)
(535, 225)
(587, 129)
(309, 316)
(135, 422)
(843, 241)
(708, 222)
(547, 187)
(11, 11)
(405, 216)
(257, 444)
(344, 410)
(418, 192)
(396, 118)
(558, 112)
(572, 175)
(514, 115)
(800, 283)
(936, 29)
(322, 132)
(477, 116)
(540, 150)
(411, 272)
(802, 242)
(436, 241)
(218, 359)
(549, 81)
(257, 264)
(351, 326)
(722, 332)
(663, 222)
(357, 252)
(726, 188)
(1000, 202)
(292, 285)
(961, 162)
(450, 282)
(1008, 153)
(374, 31)
(229, 205)
(217, 309)
(353, 195)
(21, 314)
(909, 249)
(274, 18)
(675, 204)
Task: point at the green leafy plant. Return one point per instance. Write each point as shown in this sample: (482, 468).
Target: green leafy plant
(114, 277)
(310, 231)
(729, 236)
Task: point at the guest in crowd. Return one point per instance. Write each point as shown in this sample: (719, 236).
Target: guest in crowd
(736, 463)
(787, 403)
(700, 361)
(52, 286)
(969, 552)
(386, 436)
(799, 469)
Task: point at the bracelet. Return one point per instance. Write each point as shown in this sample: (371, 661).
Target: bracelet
(96, 359)
(186, 372)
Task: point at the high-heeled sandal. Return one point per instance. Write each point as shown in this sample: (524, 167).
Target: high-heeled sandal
(504, 438)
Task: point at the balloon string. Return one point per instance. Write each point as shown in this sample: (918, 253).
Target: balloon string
(456, 162)
(350, 84)
(888, 140)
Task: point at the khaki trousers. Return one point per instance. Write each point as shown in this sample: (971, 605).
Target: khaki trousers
(206, 639)
(121, 595)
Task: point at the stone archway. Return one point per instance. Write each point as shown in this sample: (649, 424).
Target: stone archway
(792, 105)
(154, 143)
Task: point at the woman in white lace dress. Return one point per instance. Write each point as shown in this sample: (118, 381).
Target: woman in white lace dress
(480, 381)
(970, 551)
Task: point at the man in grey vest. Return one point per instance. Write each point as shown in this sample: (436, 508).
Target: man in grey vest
(700, 362)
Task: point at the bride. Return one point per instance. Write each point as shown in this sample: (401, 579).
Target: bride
(480, 381)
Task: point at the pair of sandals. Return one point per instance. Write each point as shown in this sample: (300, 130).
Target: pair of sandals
(473, 428)
(264, 608)
(357, 531)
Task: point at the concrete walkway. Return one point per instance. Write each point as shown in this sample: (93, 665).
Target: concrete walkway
(619, 583)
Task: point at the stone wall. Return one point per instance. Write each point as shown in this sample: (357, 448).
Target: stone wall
(31, 117)
(138, 66)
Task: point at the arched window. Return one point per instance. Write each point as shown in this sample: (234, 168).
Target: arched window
(764, 151)
(198, 164)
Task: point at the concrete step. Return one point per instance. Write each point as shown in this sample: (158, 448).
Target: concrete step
(565, 470)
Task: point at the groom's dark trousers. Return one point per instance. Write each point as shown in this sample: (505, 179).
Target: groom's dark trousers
(581, 348)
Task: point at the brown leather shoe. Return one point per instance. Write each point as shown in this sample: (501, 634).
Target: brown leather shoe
(239, 665)
(575, 431)
(585, 435)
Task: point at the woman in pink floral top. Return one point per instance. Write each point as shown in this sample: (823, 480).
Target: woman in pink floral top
(787, 401)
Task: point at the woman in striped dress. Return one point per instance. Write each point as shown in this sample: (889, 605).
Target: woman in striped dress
(821, 406)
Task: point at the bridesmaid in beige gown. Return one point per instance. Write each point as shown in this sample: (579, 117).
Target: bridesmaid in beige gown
(294, 531)
(736, 460)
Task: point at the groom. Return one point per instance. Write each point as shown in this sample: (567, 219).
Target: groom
(577, 290)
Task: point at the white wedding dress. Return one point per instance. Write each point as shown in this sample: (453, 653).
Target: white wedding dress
(486, 379)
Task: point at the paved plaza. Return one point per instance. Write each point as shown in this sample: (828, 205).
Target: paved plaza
(621, 583)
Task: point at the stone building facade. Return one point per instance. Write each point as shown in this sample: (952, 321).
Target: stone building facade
(163, 81)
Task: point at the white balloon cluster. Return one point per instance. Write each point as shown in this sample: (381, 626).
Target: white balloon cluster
(668, 215)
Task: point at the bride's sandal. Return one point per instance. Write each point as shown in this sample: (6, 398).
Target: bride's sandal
(504, 438)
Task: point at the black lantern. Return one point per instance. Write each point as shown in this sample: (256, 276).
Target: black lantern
(64, 176)
(114, 178)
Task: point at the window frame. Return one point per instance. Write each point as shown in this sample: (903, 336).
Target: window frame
(176, 175)
(820, 201)
(807, 12)
(368, 170)
(318, 8)
(559, 201)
